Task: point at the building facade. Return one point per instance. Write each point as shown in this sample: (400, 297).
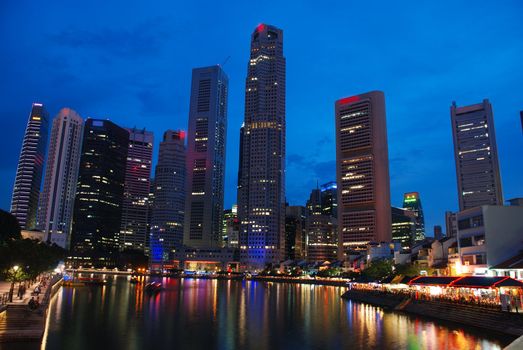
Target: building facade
(261, 188)
(169, 197)
(55, 213)
(362, 169)
(476, 155)
(403, 227)
(295, 232)
(135, 208)
(99, 192)
(26, 190)
(206, 158)
(412, 202)
(231, 228)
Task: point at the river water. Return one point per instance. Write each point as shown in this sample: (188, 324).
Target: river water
(210, 314)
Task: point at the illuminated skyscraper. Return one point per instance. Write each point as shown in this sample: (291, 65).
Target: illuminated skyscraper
(26, 190)
(476, 155)
(412, 202)
(362, 168)
(261, 187)
(55, 213)
(99, 193)
(169, 197)
(231, 227)
(135, 209)
(321, 224)
(206, 158)
(403, 227)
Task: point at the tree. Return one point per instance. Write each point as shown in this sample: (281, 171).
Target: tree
(9, 227)
(378, 269)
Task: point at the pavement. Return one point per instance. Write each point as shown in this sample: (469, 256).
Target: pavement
(6, 286)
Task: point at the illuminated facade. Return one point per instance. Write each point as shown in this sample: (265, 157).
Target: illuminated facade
(321, 224)
(412, 202)
(169, 197)
(476, 155)
(55, 212)
(403, 227)
(26, 190)
(231, 228)
(205, 167)
(362, 169)
(261, 186)
(135, 209)
(100, 189)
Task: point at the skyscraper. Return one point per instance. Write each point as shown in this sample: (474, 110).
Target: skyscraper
(295, 232)
(231, 227)
(55, 213)
(206, 157)
(321, 224)
(412, 201)
(169, 197)
(476, 155)
(135, 208)
(24, 203)
(99, 193)
(261, 187)
(403, 227)
(362, 168)
(329, 199)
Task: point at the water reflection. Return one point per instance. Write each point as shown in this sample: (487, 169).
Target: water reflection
(210, 314)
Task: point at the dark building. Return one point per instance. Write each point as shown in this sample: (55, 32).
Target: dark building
(451, 224)
(135, 209)
(412, 201)
(99, 194)
(403, 227)
(206, 158)
(169, 197)
(362, 168)
(329, 199)
(438, 233)
(476, 155)
(261, 187)
(26, 190)
(295, 232)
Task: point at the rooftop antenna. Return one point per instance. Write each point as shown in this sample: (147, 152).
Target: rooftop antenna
(224, 61)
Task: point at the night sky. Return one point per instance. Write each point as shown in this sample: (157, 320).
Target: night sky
(131, 61)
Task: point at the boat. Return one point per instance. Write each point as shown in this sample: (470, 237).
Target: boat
(153, 287)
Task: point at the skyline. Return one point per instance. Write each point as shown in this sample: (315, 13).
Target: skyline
(318, 162)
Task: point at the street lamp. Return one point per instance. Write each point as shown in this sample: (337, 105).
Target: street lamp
(13, 280)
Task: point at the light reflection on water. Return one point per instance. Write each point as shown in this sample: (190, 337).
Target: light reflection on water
(211, 314)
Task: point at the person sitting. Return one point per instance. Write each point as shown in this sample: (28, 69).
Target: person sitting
(32, 303)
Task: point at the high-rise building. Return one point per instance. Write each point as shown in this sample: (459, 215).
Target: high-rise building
(412, 201)
(99, 193)
(438, 233)
(135, 208)
(362, 168)
(55, 213)
(231, 228)
(322, 238)
(261, 187)
(476, 155)
(26, 190)
(329, 199)
(403, 227)
(169, 197)
(295, 232)
(451, 224)
(206, 158)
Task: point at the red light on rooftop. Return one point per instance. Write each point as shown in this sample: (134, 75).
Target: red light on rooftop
(346, 100)
(260, 27)
(182, 134)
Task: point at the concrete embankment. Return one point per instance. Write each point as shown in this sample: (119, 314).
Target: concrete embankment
(468, 315)
(21, 324)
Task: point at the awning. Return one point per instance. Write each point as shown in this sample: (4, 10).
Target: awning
(467, 282)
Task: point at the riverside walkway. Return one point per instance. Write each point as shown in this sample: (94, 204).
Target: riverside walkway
(18, 322)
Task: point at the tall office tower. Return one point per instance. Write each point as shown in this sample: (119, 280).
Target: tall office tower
(261, 188)
(403, 227)
(438, 233)
(412, 201)
(329, 199)
(295, 232)
(314, 206)
(135, 208)
(150, 206)
(322, 238)
(55, 213)
(362, 169)
(206, 158)
(169, 197)
(451, 224)
(476, 155)
(231, 227)
(24, 203)
(99, 193)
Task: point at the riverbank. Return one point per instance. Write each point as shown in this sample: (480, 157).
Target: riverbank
(315, 281)
(468, 315)
(18, 323)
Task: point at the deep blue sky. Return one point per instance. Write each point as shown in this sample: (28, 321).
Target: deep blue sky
(131, 61)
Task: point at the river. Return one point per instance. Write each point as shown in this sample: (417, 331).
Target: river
(210, 314)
